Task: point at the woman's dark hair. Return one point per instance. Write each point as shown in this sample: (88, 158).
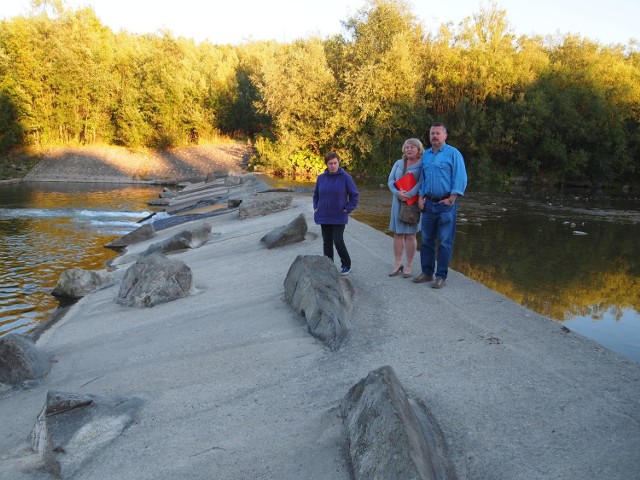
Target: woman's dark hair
(329, 156)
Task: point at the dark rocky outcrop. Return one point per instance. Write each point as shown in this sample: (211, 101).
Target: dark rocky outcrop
(313, 288)
(389, 436)
(140, 234)
(287, 234)
(154, 280)
(193, 237)
(264, 204)
(21, 360)
(73, 427)
(75, 283)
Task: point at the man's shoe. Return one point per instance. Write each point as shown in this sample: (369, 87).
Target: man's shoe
(345, 271)
(438, 283)
(423, 278)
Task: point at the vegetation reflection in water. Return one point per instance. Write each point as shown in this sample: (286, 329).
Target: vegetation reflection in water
(48, 228)
(522, 244)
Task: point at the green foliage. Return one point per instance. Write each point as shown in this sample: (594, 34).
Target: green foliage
(561, 108)
(276, 159)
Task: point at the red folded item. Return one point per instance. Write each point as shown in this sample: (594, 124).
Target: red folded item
(406, 183)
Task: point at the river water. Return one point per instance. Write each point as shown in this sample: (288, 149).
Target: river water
(46, 228)
(570, 255)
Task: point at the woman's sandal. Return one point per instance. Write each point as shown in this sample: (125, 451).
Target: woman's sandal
(396, 272)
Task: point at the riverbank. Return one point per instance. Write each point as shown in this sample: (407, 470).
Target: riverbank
(234, 387)
(112, 164)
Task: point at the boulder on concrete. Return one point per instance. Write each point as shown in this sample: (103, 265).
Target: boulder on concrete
(264, 204)
(388, 435)
(154, 280)
(292, 233)
(313, 288)
(192, 237)
(73, 427)
(75, 283)
(140, 234)
(234, 179)
(238, 195)
(21, 360)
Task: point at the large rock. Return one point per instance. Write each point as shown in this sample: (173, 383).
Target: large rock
(75, 283)
(154, 280)
(233, 179)
(21, 360)
(389, 436)
(264, 204)
(73, 427)
(238, 195)
(287, 234)
(314, 289)
(193, 237)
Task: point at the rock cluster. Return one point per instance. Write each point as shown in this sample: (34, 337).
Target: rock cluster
(389, 435)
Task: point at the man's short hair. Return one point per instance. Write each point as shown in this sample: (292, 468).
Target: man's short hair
(440, 124)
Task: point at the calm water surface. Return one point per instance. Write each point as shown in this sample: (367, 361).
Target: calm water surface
(48, 228)
(570, 255)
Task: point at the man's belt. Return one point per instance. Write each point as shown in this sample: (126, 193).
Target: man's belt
(437, 199)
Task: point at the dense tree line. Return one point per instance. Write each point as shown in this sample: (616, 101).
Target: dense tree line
(561, 108)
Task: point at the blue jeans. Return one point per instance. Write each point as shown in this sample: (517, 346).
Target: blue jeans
(438, 222)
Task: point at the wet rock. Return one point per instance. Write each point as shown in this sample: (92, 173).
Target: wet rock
(75, 283)
(140, 234)
(292, 233)
(313, 288)
(21, 360)
(73, 427)
(388, 434)
(154, 280)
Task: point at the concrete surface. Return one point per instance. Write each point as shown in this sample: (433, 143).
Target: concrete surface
(235, 387)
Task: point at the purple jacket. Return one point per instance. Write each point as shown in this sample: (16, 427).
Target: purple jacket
(334, 197)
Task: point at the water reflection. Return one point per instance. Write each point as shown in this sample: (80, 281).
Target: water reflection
(48, 228)
(568, 255)
(520, 243)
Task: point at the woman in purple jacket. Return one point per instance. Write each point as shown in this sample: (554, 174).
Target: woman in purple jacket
(334, 198)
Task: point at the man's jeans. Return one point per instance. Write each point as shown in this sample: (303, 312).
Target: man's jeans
(438, 221)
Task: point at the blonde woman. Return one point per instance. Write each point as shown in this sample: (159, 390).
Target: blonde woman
(404, 234)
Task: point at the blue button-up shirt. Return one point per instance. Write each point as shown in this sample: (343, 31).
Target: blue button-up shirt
(443, 172)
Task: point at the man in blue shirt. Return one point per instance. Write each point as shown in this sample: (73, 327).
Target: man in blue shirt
(444, 179)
